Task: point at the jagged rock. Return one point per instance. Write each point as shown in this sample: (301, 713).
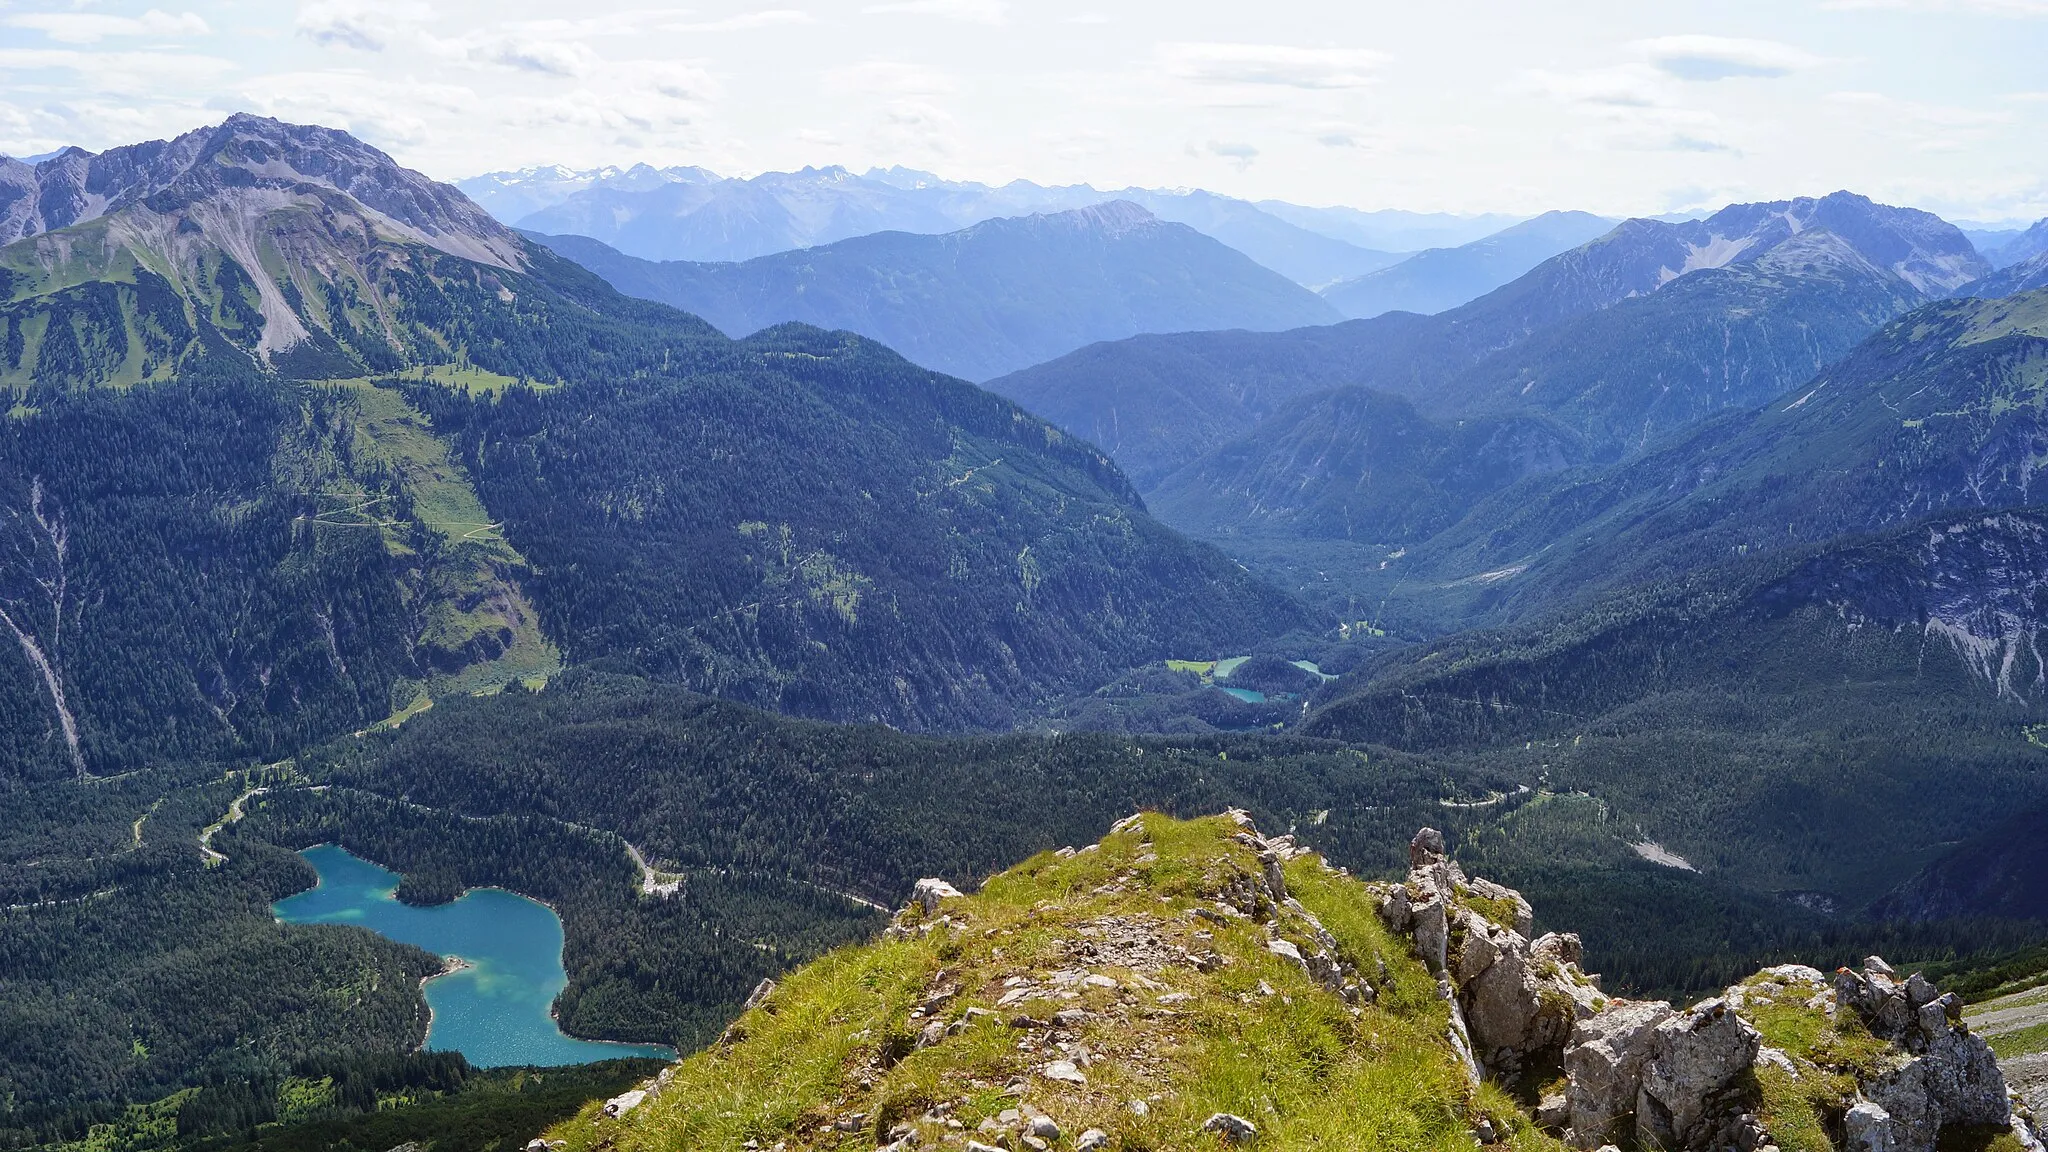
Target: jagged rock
(1432, 931)
(1525, 916)
(1043, 1127)
(1948, 1076)
(1524, 999)
(1092, 1140)
(1695, 1071)
(928, 892)
(1869, 1128)
(1604, 1069)
(760, 994)
(1517, 1000)
(1233, 1129)
(1426, 848)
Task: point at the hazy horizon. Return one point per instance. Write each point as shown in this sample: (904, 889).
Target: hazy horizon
(1590, 105)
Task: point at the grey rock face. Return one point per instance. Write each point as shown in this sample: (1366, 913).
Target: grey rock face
(1869, 1129)
(1694, 1073)
(1516, 1000)
(1947, 1076)
(927, 893)
(1604, 1069)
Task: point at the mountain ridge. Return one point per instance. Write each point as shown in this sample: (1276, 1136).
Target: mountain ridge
(1442, 278)
(986, 299)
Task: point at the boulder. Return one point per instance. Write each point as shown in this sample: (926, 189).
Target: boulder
(1233, 1129)
(1516, 1000)
(624, 1102)
(1695, 1075)
(928, 892)
(1524, 1001)
(1869, 1128)
(1604, 1069)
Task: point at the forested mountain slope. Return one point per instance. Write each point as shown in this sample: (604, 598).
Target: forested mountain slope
(869, 540)
(1825, 721)
(300, 553)
(1937, 413)
(2022, 276)
(1156, 402)
(1352, 464)
(985, 300)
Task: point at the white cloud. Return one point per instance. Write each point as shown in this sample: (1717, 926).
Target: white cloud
(1623, 86)
(95, 123)
(569, 58)
(1721, 57)
(973, 11)
(365, 25)
(1342, 134)
(1626, 108)
(390, 114)
(92, 27)
(1272, 64)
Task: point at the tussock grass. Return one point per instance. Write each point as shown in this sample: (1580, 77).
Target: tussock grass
(832, 1059)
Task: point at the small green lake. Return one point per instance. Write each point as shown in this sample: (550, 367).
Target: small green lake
(496, 1011)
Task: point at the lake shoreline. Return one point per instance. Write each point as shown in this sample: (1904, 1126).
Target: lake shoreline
(450, 965)
(503, 1015)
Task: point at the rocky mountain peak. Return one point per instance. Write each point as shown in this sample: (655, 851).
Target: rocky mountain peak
(258, 164)
(1920, 248)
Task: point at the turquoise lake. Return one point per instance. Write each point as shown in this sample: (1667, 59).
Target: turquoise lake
(495, 1012)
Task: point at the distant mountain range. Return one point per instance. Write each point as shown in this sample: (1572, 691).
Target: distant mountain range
(2018, 247)
(2025, 276)
(1443, 278)
(1391, 229)
(513, 196)
(985, 300)
(1649, 327)
(1932, 414)
(688, 214)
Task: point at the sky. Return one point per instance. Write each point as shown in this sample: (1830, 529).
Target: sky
(1622, 108)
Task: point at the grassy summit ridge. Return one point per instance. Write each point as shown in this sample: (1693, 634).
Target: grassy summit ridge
(1074, 985)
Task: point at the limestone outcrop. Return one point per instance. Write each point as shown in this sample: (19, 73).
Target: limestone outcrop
(1514, 1001)
(1879, 1062)
(1940, 1075)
